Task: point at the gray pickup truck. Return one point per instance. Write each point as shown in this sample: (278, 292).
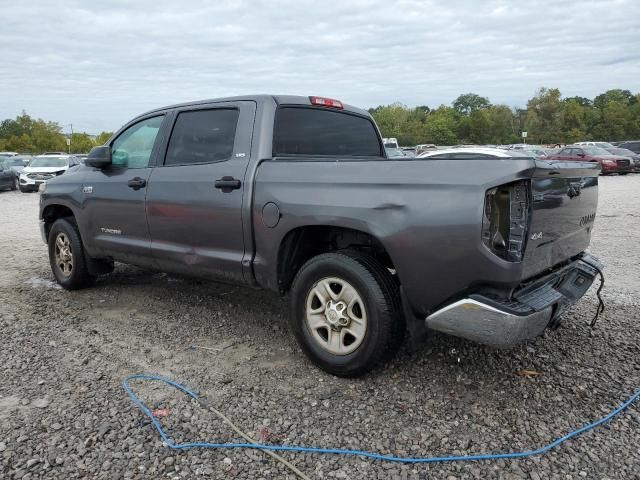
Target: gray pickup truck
(296, 195)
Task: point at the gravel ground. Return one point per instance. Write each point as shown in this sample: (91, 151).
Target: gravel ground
(63, 355)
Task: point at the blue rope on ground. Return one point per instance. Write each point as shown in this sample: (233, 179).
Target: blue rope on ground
(340, 451)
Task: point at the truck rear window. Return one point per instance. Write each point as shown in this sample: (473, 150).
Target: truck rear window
(320, 132)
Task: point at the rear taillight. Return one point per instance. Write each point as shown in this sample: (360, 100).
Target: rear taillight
(326, 102)
(506, 219)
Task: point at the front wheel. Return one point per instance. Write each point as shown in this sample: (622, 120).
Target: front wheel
(345, 312)
(67, 256)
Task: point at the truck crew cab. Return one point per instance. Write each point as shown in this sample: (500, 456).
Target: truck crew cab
(295, 194)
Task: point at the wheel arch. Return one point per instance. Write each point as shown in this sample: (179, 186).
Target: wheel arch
(304, 242)
(53, 212)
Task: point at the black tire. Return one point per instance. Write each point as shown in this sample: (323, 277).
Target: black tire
(23, 190)
(625, 173)
(78, 275)
(379, 293)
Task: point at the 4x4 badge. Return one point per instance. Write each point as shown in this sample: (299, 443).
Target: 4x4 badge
(87, 189)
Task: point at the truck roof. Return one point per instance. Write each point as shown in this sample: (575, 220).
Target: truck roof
(258, 98)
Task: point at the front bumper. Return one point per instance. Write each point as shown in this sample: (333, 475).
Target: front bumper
(30, 184)
(505, 323)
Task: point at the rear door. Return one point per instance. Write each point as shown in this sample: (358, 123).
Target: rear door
(194, 197)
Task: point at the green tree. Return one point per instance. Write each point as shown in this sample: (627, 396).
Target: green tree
(544, 113)
(467, 103)
(81, 143)
(615, 95)
(441, 126)
(503, 125)
(102, 138)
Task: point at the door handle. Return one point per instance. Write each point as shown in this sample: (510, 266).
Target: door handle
(227, 184)
(137, 183)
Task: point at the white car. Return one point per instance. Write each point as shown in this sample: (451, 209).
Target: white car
(390, 142)
(42, 168)
(595, 144)
(472, 152)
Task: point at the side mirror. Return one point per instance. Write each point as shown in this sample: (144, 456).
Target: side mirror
(99, 157)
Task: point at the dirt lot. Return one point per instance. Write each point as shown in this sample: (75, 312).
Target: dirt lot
(63, 355)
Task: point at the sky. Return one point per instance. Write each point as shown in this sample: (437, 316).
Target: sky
(96, 65)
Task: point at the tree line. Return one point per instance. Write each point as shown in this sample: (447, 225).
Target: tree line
(25, 134)
(548, 119)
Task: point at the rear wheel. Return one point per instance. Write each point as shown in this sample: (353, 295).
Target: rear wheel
(344, 313)
(67, 256)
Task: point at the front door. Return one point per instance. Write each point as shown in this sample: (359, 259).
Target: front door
(194, 196)
(114, 217)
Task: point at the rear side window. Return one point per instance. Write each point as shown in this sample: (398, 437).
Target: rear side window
(202, 136)
(319, 132)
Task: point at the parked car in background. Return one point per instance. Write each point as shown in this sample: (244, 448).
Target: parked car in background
(391, 142)
(594, 144)
(608, 162)
(424, 147)
(43, 168)
(8, 154)
(395, 153)
(458, 153)
(53, 153)
(409, 151)
(534, 150)
(633, 145)
(624, 152)
(8, 177)
(17, 163)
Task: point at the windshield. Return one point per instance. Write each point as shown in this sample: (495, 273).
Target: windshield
(597, 151)
(44, 162)
(621, 151)
(604, 145)
(15, 162)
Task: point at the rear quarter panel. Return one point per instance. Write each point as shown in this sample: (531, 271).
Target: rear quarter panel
(426, 213)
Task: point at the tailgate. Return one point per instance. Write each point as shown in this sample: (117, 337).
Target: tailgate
(564, 198)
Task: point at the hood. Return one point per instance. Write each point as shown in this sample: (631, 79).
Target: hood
(43, 169)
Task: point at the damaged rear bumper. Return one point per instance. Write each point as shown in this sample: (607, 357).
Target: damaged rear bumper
(505, 323)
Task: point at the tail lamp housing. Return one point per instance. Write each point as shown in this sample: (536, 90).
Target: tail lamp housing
(505, 220)
(326, 102)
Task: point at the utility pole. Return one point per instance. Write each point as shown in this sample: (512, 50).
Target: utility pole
(69, 142)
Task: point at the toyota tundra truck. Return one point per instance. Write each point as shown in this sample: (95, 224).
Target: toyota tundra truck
(296, 195)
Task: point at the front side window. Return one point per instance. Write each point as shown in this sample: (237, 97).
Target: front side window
(202, 136)
(133, 147)
(319, 132)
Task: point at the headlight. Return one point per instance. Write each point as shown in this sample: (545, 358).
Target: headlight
(43, 187)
